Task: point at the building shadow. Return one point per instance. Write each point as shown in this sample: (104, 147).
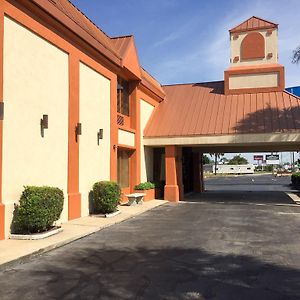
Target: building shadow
(150, 273)
(244, 197)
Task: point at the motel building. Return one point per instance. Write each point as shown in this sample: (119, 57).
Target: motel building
(77, 107)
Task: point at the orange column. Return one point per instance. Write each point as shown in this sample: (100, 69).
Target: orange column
(2, 207)
(173, 187)
(113, 129)
(198, 172)
(74, 204)
(135, 176)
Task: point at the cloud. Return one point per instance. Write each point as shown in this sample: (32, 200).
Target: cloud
(206, 57)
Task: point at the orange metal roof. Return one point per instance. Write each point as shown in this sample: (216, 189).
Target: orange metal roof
(85, 23)
(150, 82)
(203, 109)
(253, 23)
(121, 44)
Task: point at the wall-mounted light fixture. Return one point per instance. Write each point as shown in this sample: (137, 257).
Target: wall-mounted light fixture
(119, 87)
(78, 129)
(1, 111)
(99, 135)
(44, 124)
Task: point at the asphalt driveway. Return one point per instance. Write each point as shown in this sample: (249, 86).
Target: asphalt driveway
(196, 250)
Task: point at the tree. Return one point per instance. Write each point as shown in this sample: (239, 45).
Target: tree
(206, 160)
(217, 156)
(296, 56)
(238, 160)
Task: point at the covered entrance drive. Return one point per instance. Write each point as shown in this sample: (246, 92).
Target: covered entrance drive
(210, 122)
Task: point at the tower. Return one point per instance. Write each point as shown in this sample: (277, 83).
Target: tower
(254, 64)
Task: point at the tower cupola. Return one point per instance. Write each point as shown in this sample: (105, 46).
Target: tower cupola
(254, 58)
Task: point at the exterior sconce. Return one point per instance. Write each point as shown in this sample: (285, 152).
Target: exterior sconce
(99, 135)
(44, 124)
(78, 130)
(44, 121)
(119, 87)
(1, 111)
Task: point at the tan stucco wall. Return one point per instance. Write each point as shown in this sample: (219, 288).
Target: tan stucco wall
(126, 138)
(94, 159)
(261, 80)
(271, 46)
(146, 152)
(35, 83)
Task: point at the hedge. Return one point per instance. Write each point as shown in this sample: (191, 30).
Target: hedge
(38, 209)
(145, 186)
(106, 196)
(296, 178)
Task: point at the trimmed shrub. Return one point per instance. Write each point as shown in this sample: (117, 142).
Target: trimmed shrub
(38, 209)
(145, 186)
(106, 196)
(296, 178)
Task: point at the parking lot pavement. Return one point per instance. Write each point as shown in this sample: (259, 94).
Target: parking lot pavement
(191, 250)
(251, 182)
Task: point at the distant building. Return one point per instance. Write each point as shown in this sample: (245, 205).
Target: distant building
(230, 169)
(295, 90)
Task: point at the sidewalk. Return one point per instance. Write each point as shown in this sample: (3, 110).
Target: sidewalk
(11, 250)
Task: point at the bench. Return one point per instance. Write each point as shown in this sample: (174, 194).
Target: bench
(135, 198)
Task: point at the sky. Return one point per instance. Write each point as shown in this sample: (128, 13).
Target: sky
(180, 41)
(187, 40)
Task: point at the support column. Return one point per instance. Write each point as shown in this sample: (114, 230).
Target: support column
(173, 187)
(74, 197)
(198, 184)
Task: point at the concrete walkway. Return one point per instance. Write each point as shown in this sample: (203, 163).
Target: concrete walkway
(11, 250)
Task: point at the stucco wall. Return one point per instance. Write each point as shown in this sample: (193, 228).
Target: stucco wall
(126, 138)
(270, 47)
(35, 83)
(146, 152)
(253, 80)
(94, 159)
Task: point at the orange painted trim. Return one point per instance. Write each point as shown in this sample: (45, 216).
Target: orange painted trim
(137, 165)
(69, 23)
(144, 96)
(128, 129)
(152, 91)
(259, 70)
(74, 203)
(2, 206)
(113, 130)
(37, 23)
(126, 147)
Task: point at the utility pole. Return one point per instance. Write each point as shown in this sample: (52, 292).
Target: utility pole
(216, 163)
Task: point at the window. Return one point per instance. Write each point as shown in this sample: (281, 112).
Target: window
(123, 97)
(123, 168)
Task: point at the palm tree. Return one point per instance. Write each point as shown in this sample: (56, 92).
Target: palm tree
(296, 56)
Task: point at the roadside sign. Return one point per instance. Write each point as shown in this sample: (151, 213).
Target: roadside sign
(272, 159)
(258, 157)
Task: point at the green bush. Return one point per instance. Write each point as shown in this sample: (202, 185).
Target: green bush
(38, 209)
(296, 178)
(106, 196)
(145, 186)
